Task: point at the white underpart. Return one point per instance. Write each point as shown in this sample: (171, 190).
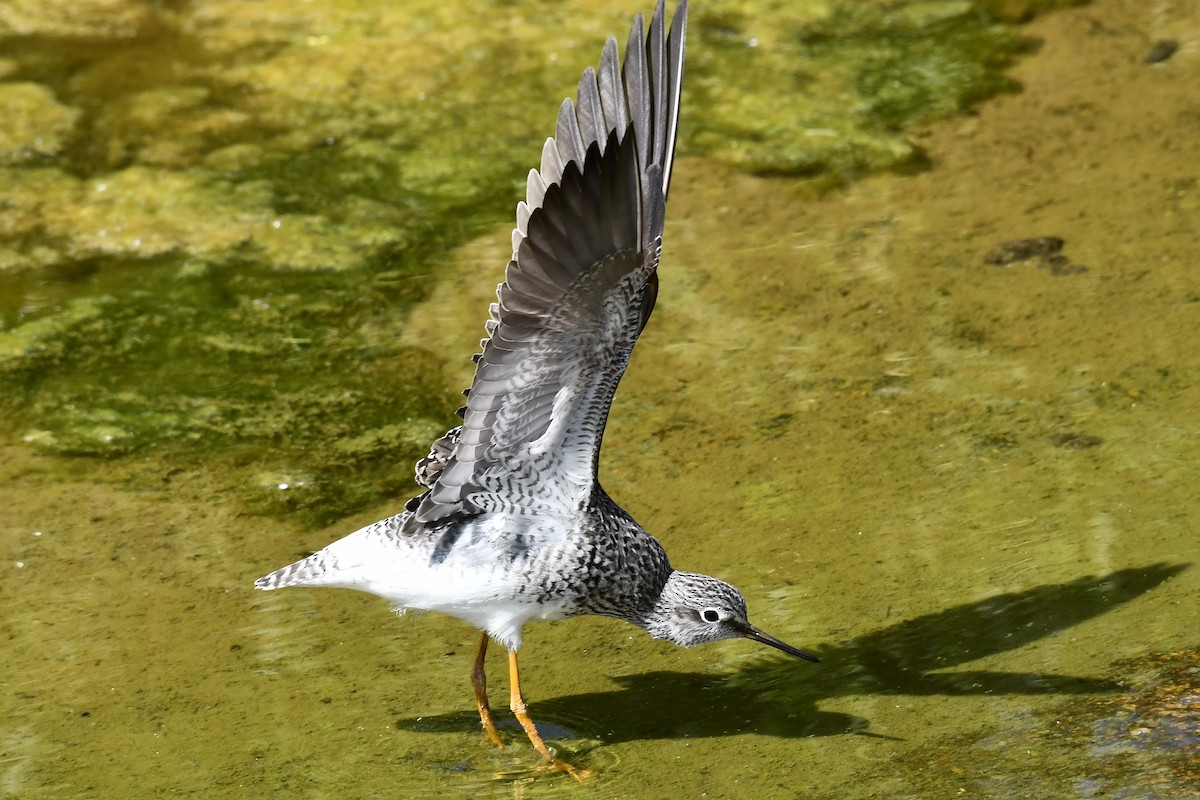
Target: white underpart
(470, 583)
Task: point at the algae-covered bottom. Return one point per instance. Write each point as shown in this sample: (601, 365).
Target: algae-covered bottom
(218, 218)
(958, 469)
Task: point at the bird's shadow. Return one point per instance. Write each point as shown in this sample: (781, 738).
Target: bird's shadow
(778, 695)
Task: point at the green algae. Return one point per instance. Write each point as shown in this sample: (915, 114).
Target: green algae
(233, 364)
(134, 643)
(33, 123)
(837, 94)
(216, 220)
(47, 338)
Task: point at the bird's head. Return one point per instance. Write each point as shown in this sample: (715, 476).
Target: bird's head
(694, 609)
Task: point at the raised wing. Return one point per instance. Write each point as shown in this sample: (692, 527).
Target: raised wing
(578, 290)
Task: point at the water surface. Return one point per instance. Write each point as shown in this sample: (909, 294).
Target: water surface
(246, 252)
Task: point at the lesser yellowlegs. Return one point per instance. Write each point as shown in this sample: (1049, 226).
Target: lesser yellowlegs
(513, 525)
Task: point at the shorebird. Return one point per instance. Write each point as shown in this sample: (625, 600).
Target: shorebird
(513, 524)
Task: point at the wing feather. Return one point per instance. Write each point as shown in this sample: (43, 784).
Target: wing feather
(579, 289)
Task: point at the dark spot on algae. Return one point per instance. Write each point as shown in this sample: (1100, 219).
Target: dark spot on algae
(1021, 249)
(1161, 51)
(1075, 440)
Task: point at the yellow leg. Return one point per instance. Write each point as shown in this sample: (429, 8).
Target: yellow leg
(517, 704)
(479, 684)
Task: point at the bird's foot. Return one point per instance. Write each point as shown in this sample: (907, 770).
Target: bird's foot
(555, 763)
(489, 727)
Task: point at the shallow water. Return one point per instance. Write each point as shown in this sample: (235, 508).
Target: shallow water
(968, 487)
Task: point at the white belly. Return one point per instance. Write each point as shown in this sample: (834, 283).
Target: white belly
(492, 575)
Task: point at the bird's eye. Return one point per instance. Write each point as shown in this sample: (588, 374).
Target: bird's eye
(710, 615)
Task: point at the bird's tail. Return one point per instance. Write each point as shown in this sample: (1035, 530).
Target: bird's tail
(343, 564)
(305, 572)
